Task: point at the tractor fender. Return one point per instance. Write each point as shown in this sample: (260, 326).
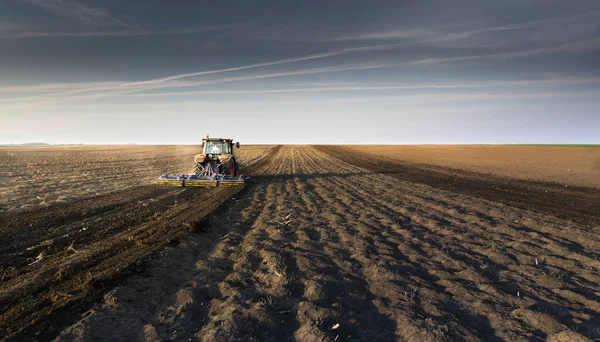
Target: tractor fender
(200, 158)
(225, 158)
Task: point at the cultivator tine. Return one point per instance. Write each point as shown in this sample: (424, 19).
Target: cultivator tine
(196, 181)
(205, 183)
(170, 180)
(231, 181)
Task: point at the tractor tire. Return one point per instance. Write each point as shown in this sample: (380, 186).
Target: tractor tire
(232, 168)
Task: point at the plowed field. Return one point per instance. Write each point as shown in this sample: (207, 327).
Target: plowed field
(34, 177)
(313, 248)
(567, 165)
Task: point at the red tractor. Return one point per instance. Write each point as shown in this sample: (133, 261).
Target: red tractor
(217, 157)
(215, 166)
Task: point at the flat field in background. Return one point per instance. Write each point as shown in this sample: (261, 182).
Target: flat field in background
(323, 243)
(39, 176)
(572, 165)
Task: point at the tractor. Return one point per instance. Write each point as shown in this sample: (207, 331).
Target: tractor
(214, 166)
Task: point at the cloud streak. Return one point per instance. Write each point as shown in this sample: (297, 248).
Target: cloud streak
(441, 98)
(413, 100)
(85, 14)
(592, 44)
(577, 27)
(327, 86)
(166, 82)
(459, 85)
(418, 97)
(108, 89)
(24, 33)
(266, 64)
(96, 22)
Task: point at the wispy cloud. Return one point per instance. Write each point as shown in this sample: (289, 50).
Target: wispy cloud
(56, 89)
(24, 33)
(337, 88)
(107, 89)
(95, 22)
(71, 88)
(585, 45)
(85, 14)
(441, 98)
(266, 64)
(528, 89)
(431, 100)
(578, 26)
(64, 92)
(420, 35)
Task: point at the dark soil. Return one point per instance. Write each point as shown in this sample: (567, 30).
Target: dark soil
(55, 261)
(317, 249)
(320, 245)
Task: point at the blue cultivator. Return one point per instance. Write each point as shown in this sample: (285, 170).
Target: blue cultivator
(194, 180)
(215, 166)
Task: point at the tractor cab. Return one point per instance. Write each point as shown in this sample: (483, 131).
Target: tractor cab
(214, 148)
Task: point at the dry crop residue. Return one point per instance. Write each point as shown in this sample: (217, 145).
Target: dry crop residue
(36, 177)
(319, 249)
(570, 165)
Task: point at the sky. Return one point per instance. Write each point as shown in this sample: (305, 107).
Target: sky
(362, 72)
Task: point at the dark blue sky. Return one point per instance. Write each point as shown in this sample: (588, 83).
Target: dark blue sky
(300, 72)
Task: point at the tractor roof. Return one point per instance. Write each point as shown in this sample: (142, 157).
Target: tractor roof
(217, 139)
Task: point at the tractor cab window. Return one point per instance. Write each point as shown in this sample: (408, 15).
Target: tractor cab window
(216, 147)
